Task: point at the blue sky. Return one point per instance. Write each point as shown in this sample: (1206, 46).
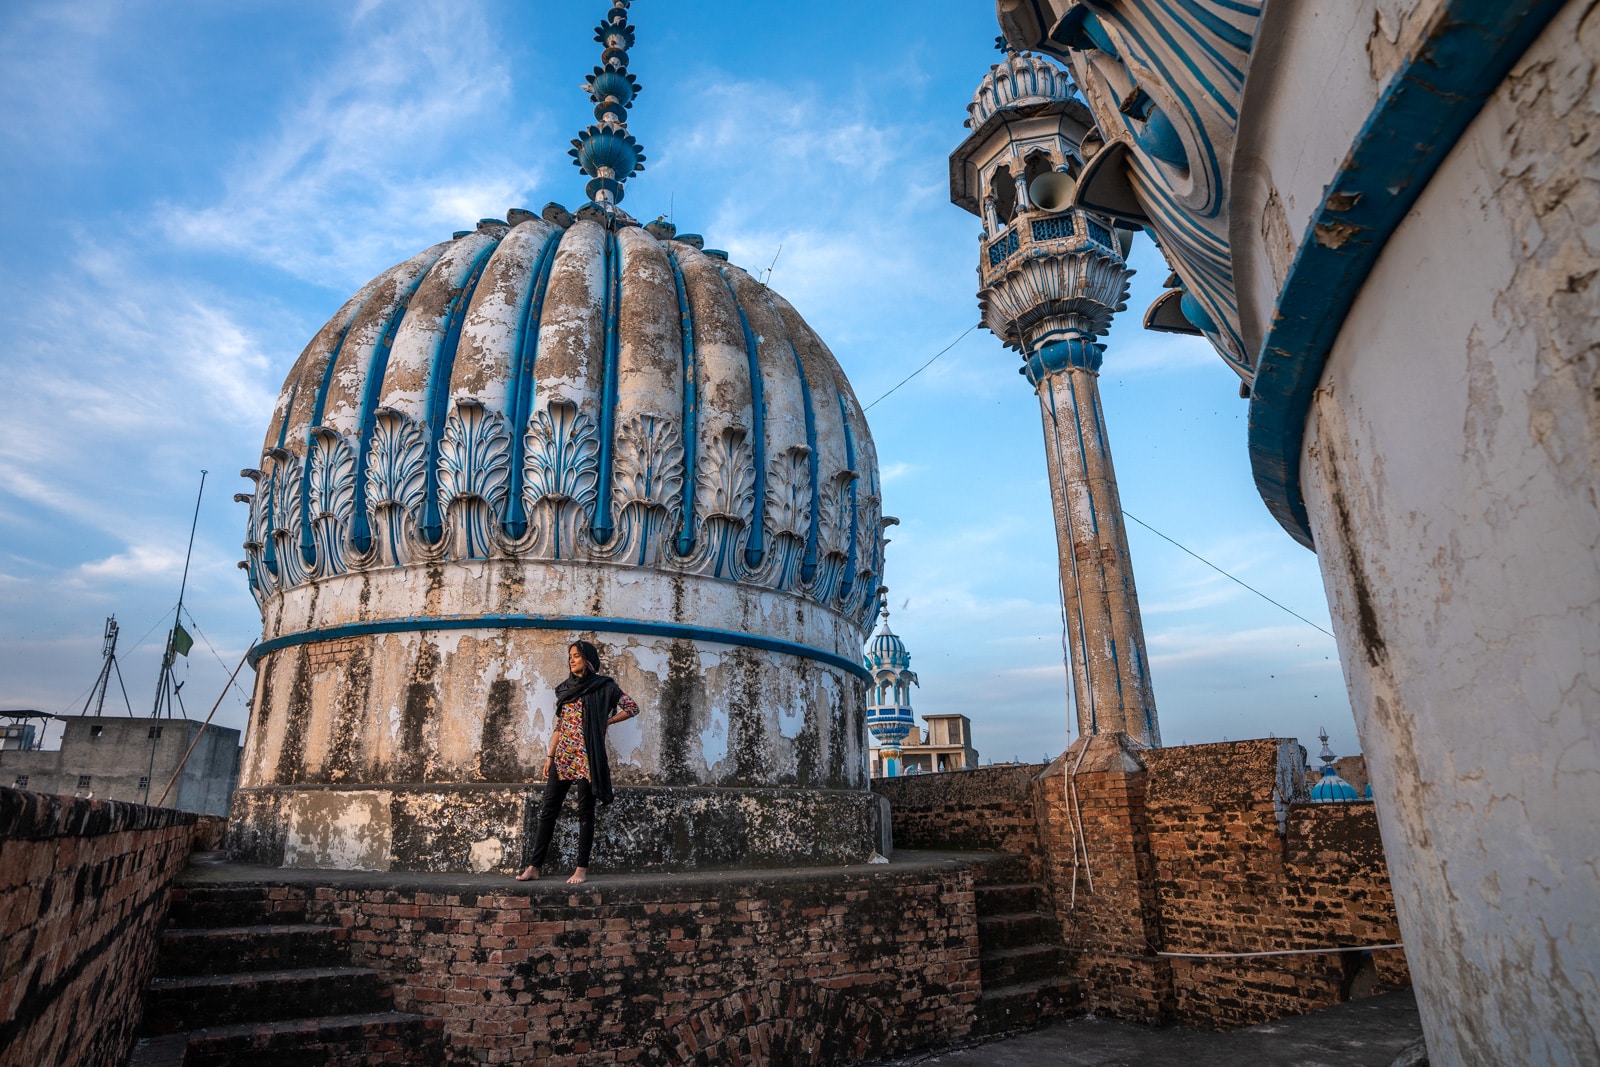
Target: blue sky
(190, 191)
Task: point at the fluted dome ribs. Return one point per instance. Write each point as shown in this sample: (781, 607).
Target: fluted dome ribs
(1021, 78)
(582, 394)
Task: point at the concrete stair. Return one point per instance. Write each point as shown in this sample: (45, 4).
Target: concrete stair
(243, 980)
(1022, 962)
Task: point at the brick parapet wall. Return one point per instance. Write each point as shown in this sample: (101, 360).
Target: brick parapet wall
(84, 887)
(1192, 849)
(1104, 888)
(985, 809)
(817, 967)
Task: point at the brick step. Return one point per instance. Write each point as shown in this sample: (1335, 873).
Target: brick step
(1009, 897)
(165, 1051)
(231, 949)
(1010, 869)
(1027, 1004)
(1027, 963)
(190, 1002)
(357, 1040)
(1013, 930)
(196, 906)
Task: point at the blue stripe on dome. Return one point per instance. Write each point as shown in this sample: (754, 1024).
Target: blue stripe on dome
(850, 457)
(691, 428)
(755, 547)
(438, 393)
(371, 389)
(808, 565)
(308, 547)
(522, 384)
(601, 525)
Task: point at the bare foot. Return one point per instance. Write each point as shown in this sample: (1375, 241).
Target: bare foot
(578, 876)
(528, 874)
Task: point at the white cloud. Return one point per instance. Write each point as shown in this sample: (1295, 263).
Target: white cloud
(138, 563)
(368, 164)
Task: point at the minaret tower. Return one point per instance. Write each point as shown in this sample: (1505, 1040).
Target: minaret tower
(1050, 279)
(889, 702)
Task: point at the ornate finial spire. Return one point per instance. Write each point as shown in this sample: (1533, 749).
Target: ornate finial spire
(606, 151)
(1326, 756)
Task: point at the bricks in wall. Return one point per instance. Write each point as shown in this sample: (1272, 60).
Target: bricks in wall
(84, 886)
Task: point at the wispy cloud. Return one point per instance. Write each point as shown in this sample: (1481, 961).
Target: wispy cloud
(361, 168)
(138, 563)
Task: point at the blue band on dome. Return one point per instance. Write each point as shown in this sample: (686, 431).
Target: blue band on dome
(308, 550)
(522, 382)
(755, 547)
(575, 623)
(850, 458)
(601, 526)
(691, 428)
(808, 565)
(438, 395)
(372, 387)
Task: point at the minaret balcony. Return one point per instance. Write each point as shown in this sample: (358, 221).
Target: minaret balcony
(1035, 236)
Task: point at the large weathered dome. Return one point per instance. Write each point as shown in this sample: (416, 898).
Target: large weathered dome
(543, 429)
(575, 394)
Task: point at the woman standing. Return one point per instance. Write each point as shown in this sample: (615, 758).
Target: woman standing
(586, 703)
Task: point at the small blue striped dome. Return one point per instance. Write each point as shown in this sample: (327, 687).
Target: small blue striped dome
(1333, 789)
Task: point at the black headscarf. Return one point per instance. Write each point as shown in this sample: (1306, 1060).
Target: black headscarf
(599, 695)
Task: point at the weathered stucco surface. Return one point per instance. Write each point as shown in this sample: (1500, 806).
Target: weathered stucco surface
(565, 423)
(1450, 470)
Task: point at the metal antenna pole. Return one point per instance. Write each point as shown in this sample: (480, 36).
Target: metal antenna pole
(165, 678)
(108, 653)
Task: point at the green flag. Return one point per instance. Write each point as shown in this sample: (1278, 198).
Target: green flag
(181, 641)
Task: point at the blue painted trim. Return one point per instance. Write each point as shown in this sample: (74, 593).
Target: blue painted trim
(691, 424)
(437, 405)
(850, 458)
(1059, 356)
(755, 546)
(1415, 124)
(371, 392)
(522, 382)
(308, 547)
(577, 623)
(601, 525)
(808, 565)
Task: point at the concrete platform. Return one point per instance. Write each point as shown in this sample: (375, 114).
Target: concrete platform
(1370, 1032)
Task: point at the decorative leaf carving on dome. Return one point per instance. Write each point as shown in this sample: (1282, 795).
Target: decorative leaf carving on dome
(283, 473)
(333, 492)
(833, 538)
(869, 553)
(561, 473)
(396, 481)
(474, 473)
(647, 484)
(262, 580)
(788, 517)
(724, 501)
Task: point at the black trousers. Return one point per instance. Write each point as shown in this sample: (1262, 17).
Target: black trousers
(555, 792)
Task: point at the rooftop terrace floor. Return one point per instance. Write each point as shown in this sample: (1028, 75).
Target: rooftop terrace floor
(1370, 1032)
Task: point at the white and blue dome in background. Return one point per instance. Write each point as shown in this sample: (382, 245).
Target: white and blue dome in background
(1332, 789)
(889, 715)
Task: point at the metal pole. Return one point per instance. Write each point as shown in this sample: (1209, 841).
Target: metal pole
(202, 729)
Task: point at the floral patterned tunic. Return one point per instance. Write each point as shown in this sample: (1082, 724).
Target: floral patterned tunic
(572, 759)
